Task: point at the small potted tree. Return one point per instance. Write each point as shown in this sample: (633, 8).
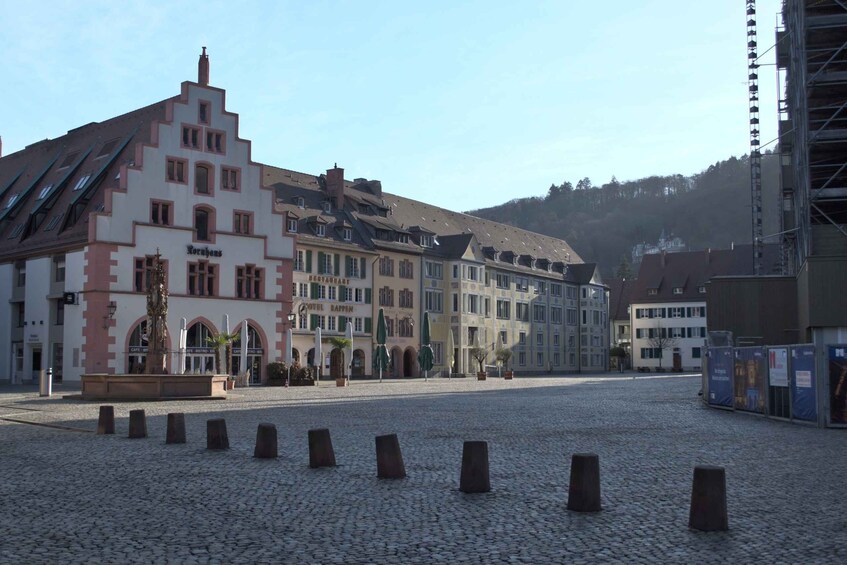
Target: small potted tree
(480, 354)
(340, 343)
(223, 341)
(503, 355)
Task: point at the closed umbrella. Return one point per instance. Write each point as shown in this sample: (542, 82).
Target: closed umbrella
(425, 356)
(183, 338)
(242, 357)
(318, 354)
(349, 336)
(381, 353)
(450, 348)
(289, 354)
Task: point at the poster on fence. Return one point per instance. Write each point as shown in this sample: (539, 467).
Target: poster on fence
(749, 383)
(838, 384)
(778, 366)
(803, 405)
(720, 376)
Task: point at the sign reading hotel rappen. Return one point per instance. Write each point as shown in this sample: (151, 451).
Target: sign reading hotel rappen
(323, 279)
(332, 307)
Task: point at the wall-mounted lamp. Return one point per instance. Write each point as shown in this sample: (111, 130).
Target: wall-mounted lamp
(111, 308)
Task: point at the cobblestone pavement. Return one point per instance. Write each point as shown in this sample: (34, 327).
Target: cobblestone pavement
(72, 496)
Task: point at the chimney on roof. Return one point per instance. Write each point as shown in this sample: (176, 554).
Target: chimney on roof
(335, 185)
(708, 255)
(664, 264)
(203, 69)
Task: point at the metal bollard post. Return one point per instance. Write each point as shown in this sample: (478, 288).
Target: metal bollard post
(45, 384)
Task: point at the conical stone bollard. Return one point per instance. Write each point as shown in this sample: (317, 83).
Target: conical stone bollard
(474, 477)
(216, 437)
(320, 449)
(106, 420)
(708, 500)
(137, 424)
(389, 460)
(176, 428)
(584, 488)
(266, 446)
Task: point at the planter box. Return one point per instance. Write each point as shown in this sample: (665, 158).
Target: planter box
(341, 381)
(507, 375)
(480, 376)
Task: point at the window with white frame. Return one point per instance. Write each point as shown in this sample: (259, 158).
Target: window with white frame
(357, 325)
(502, 280)
(472, 303)
(300, 262)
(348, 294)
(360, 295)
(434, 301)
(304, 290)
(320, 230)
(504, 338)
(347, 234)
(472, 273)
(292, 225)
(333, 293)
(432, 270)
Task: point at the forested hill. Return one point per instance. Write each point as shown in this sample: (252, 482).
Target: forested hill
(603, 223)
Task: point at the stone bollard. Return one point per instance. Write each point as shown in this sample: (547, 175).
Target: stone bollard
(389, 460)
(216, 437)
(584, 488)
(320, 449)
(474, 477)
(708, 500)
(137, 424)
(265, 442)
(176, 428)
(106, 420)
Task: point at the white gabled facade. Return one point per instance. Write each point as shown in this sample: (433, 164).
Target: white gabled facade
(668, 329)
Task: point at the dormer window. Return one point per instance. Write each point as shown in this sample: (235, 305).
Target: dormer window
(403, 238)
(320, 230)
(652, 291)
(301, 202)
(292, 225)
(701, 289)
(426, 241)
(44, 192)
(347, 233)
(677, 290)
(364, 208)
(327, 206)
(81, 182)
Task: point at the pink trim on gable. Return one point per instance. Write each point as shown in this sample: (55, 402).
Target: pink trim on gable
(98, 343)
(284, 280)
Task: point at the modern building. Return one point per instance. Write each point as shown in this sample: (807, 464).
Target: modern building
(82, 217)
(668, 316)
(813, 152)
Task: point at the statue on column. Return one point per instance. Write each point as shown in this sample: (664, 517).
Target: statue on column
(157, 314)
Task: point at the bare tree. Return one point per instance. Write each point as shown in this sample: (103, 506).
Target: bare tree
(661, 340)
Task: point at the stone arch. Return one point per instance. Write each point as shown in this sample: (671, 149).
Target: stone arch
(410, 362)
(396, 366)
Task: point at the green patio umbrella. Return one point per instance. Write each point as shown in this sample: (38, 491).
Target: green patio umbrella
(381, 353)
(425, 356)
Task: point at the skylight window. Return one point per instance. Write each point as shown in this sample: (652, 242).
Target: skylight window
(12, 200)
(81, 182)
(107, 148)
(69, 159)
(44, 192)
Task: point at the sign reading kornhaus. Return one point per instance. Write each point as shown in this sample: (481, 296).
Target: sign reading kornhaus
(204, 251)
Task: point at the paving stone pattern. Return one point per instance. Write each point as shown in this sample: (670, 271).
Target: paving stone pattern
(73, 496)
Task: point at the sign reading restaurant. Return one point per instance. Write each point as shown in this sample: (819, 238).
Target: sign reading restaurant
(204, 251)
(329, 280)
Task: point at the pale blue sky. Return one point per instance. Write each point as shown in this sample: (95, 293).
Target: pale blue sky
(460, 104)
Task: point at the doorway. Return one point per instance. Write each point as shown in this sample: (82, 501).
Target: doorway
(36, 363)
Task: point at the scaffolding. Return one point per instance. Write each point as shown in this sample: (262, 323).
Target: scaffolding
(812, 64)
(755, 141)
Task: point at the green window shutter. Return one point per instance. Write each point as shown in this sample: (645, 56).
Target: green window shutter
(367, 325)
(315, 293)
(367, 296)
(342, 293)
(321, 262)
(362, 265)
(342, 323)
(308, 260)
(348, 265)
(335, 264)
(313, 321)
